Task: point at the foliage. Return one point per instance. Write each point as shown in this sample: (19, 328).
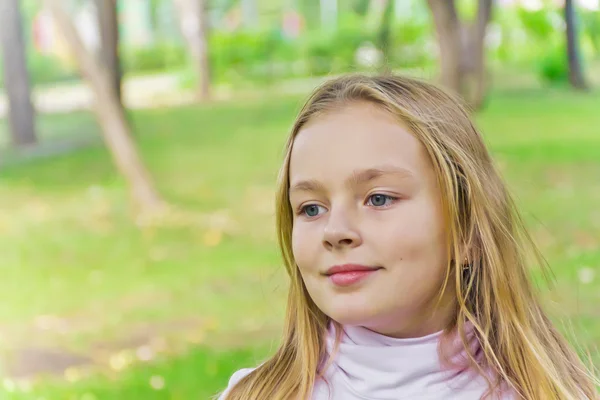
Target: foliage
(537, 23)
(360, 7)
(269, 55)
(48, 69)
(45, 69)
(413, 42)
(249, 55)
(156, 58)
(335, 52)
(545, 29)
(591, 28)
(553, 66)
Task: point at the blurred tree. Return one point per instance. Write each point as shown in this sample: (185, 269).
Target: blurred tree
(462, 49)
(116, 130)
(385, 29)
(21, 115)
(576, 78)
(109, 39)
(193, 18)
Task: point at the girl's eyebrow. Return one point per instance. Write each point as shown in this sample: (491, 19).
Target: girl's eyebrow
(363, 176)
(310, 185)
(358, 177)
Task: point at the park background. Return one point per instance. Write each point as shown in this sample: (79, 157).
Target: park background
(139, 147)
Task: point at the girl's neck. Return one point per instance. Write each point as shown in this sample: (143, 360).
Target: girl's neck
(437, 317)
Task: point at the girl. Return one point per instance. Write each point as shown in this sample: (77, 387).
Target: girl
(407, 260)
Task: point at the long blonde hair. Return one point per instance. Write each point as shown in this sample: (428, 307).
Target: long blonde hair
(521, 347)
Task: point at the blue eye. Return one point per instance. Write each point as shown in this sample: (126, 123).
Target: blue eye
(380, 200)
(311, 210)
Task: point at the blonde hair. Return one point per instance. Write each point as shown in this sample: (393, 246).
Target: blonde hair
(520, 345)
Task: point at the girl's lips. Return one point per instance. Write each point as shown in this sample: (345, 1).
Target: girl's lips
(351, 277)
(350, 268)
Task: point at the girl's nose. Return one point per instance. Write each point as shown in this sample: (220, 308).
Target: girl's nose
(339, 232)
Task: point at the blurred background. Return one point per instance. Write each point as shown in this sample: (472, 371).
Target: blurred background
(139, 147)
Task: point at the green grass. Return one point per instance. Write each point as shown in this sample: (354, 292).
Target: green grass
(199, 375)
(205, 291)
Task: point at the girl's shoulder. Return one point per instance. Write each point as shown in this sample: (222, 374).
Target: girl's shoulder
(235, 378)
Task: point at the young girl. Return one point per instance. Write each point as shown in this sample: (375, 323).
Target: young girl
(407, 259)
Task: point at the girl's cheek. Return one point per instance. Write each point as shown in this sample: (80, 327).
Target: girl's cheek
(298, 243)
(303, 232)
(304, 243)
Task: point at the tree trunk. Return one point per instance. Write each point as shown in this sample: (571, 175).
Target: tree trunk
(204, 59)
(384, 36)
(477, 81)
(576, 77)
(448, 31)
(193, 19)
(21, 115)
(109, 39)
(462, 49)
(109, 114)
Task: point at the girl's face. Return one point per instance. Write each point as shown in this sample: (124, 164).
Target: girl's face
(365, 196)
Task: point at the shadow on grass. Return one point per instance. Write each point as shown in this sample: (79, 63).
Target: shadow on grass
(198, 374)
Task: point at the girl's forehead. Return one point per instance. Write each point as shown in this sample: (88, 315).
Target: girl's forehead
(356, 138)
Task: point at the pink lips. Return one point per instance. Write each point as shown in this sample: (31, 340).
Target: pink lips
(349, 274)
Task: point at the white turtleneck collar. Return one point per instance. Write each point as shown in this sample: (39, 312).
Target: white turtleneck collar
(372, 366)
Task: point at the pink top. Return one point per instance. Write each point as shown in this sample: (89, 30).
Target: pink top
(371, 366)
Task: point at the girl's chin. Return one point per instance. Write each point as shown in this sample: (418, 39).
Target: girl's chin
(348, 315)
